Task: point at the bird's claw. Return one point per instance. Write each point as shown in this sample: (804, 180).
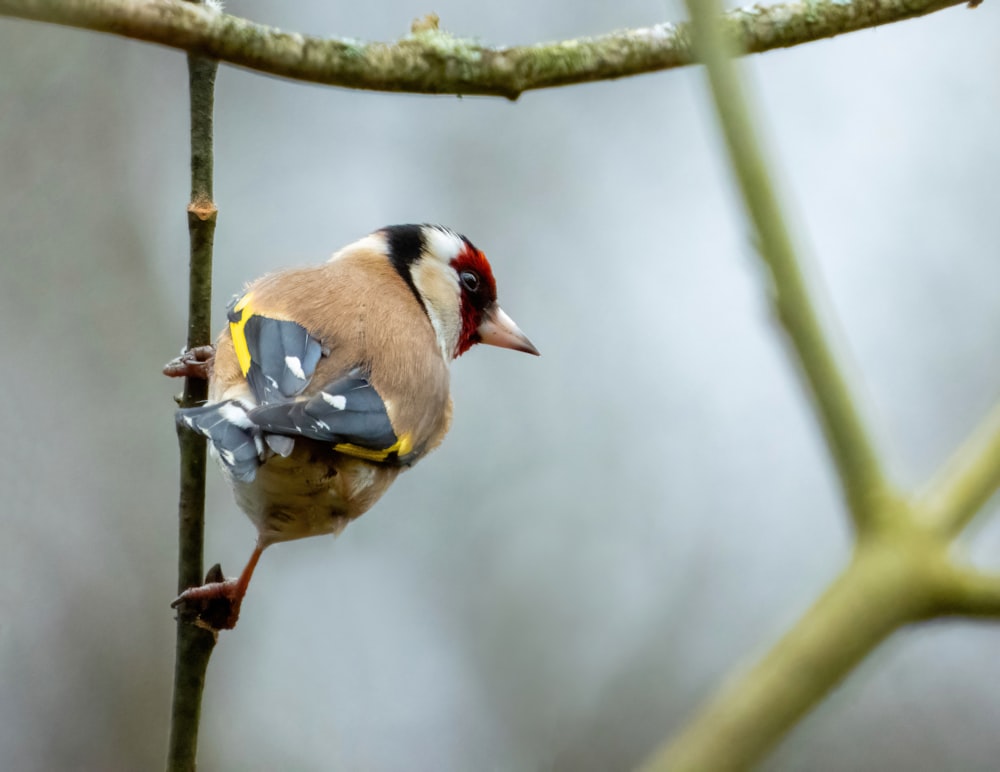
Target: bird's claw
(215, 603)
(194, 363)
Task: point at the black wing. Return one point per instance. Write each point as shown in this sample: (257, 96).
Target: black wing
(348, 413)
(237, 441)
(277, 357)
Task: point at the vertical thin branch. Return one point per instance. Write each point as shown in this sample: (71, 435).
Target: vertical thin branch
(194, 644)
(894, 576)
(843, 425)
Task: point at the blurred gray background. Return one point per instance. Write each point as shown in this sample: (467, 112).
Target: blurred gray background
(608, 530)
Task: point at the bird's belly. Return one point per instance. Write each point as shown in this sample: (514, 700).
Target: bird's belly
(312, 492)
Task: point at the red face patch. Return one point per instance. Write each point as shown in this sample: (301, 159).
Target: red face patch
(479, 291)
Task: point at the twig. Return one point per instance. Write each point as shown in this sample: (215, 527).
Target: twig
(434, 62)
(194, 643)
(971, 593)
(853, 451)
(883, 588)
(967, 481)
(895, 575)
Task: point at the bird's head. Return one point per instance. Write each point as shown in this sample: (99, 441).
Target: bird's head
(454, 283)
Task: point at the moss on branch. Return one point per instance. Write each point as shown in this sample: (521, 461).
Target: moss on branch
(431, 61)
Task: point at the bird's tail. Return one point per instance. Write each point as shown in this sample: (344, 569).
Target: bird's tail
(238, 442)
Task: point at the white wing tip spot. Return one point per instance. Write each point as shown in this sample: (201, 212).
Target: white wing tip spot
(236, 414)
(336, 401)
(294, 366)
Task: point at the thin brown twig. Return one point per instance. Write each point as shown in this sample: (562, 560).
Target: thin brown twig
(194, 643)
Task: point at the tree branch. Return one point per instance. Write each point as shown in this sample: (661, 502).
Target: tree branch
(899, 572)
(968, 592)
(194, 643)
(868, 495)
(434, 62)
(883, 588)
(967, 481)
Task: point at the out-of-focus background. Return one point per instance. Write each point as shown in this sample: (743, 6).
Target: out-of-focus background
(608, 530)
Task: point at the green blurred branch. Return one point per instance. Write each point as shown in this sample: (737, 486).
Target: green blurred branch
(434, 62)
(902, 570)
(882, 588)
(971, 593)
(194, 643)
(967, 481)
(796, 305)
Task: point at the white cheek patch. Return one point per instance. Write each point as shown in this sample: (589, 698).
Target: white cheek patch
(438, 286)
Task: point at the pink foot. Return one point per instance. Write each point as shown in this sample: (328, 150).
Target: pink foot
(216, 603)
(193, 363)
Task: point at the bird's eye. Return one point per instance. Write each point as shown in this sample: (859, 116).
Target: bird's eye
(469, 280)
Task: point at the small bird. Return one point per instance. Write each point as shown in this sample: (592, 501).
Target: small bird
(330, 380)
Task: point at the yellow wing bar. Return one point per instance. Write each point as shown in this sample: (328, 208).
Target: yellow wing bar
(402, 447)
(238, 333)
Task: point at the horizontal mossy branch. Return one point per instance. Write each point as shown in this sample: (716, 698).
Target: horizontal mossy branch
(435, 62)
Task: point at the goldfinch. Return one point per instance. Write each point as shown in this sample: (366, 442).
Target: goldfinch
(328, 381)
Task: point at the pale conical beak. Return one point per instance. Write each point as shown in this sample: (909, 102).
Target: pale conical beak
(498, 329)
